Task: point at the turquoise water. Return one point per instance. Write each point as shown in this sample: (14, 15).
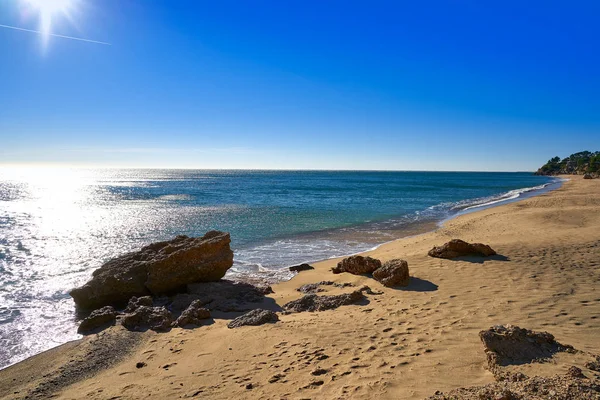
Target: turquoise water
(58, 225)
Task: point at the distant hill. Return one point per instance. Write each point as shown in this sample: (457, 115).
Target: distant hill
(584, 162)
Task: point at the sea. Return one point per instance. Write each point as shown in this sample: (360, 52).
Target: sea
(58, 224)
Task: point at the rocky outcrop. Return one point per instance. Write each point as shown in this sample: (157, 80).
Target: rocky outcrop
(254, 318)
(316, 287)
(301, 267)
(226, 296)
(100, 318)
(143, 318)
(584, 162)
(570, 386)
(459, 248)
(193, 315)
(508, 344)
(357, 265)
(393, 273)
(159, 268)
(312, 302)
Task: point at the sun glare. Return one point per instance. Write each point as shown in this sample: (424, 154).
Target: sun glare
(48, 10)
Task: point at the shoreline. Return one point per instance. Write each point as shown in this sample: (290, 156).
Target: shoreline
(572, 208)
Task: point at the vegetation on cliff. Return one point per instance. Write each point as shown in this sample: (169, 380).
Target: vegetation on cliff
(584, 162)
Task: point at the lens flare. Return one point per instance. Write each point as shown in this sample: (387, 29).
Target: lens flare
(48, 11)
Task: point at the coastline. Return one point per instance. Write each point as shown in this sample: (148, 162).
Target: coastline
(420, 333)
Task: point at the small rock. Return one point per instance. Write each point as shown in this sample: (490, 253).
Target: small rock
(140, 364)
(254, 318)
(249, 386)
(102, 317)
(192, 315)
(301, 267)
(312, 302)
(587, 176)
(357, 265)
(136, 302)
(155, 318)
(459, 248)
(393, 273)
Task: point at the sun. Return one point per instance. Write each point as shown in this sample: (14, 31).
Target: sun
(48, 10)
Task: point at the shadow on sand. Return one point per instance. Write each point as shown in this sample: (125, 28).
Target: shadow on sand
(481, 260)
(418, 285)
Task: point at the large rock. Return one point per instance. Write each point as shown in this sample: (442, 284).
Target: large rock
(159, 268)
(459, 248)
(588, 176)
(144, 317)
(254, 318)
(312, 302)
(508, 344)
(100, 318)
(393, 273)
(357, 265)
(193, 315)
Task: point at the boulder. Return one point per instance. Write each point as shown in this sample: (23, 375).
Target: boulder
(459, 248)
(508, 344)
(312, 302)
(393, 273)
(160, 268)
(357, 265)
(254, 318)
(192, 315)
(100, 318)
(144, 317)
(301, 267)
(588, 176)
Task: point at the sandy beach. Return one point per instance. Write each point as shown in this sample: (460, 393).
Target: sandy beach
(404, 343)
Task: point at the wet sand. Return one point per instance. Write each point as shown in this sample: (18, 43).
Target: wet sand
(404, 343)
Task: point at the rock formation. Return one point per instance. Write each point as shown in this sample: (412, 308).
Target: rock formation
(312, 302)
(144, 317)
(159, 268)
(393, 273)
(357, 265)
(100, 318)
(588, 176)
(254, 318)
(193, 315)
(508, 344)
(459, 248)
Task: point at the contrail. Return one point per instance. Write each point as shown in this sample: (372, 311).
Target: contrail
(55, 35)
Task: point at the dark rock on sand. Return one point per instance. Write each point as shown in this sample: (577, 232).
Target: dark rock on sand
(588, 176)
(193, 315)
(143, 318)
(254, 318)
(159, 268)
(312, 302)
(225, 296)
(316, 287)
(393, 273)
(136, 302)
(560, 387)
(357, 265)
(301, 267)
(508, 345)
(100, 318)
(459, 248)
(594, 365)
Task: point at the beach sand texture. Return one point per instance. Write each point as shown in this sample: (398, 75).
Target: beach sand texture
(403, 343)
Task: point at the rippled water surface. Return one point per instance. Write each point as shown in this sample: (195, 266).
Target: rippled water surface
(57, 225)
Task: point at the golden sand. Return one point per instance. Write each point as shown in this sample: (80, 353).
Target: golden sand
(405, 343)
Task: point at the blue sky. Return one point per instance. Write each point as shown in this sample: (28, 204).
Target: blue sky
(428, 85)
